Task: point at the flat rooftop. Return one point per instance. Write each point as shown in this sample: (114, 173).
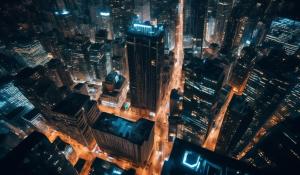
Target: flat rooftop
(102, 167)
(187, 158)
(136, 132)
(145, 30)
(72, 104)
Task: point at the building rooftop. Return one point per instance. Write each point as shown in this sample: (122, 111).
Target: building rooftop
(102, 167)
(115, 78)
(72, 104)
(145, 30)
(136, 132)
(187, 158)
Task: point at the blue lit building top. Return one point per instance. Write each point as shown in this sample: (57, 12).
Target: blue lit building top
(145, 29)
(62, 12)
(286, 32)
(135, 132)
(100, 166)
(187, 158)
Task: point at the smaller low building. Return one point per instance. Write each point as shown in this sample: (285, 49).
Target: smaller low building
(123, 138)
(115, 88)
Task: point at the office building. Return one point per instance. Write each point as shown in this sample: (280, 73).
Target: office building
(241, 68)
(11, 97)
(38, 88)
(122, 13)
(270, 81)
(97, 61)
(123, 138)
(145, 49)
(187, 158)
(100, 166)
(278, 150)
(237, 118)
(194, 21)
(114, 91)
(142, 10)
(57, 72)
(165, 13)
(81, 88)
(73, 117)
(203, 81)
(36, 155)
(284, 32)
(241, 25)
(30, 53)
(176, 102)
(74, 52)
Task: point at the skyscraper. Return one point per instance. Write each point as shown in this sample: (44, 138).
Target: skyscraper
(278, 151)
(270, 81)
(58, 73)
(36, 155)
(194, 18)
(145, 48)
(203, 81)
(284, 32)
(31, 53)
(236, 120)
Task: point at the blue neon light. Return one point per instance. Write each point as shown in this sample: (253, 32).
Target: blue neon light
(195, 165)
(142, 25)
(117, 172)
(65, 12)
(104, 13)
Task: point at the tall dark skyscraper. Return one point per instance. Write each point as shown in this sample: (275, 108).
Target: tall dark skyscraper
(279, 150)
(145, 48)
(203, 81)
(270, 81)
(194, 18)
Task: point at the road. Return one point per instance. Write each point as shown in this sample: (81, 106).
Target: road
(212, 138)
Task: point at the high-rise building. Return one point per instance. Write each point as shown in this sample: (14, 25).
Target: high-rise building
(165, 13)
(203, 81)
(284, 32)
(241, 68)
(36, 155)
(142, 10)
(11, 97)
(194, 19)
(57, 72)
(123, 138)
(145, 49)
(216, 20)
(75, 58)
(97, 61)
(278, 151)
(187, 158)
(30, 53)
(236, 120)
(176, 107)
(176, 102)
(270, 81)
(38, 88)
(241, 25)
(122, 13)
(73, 117)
